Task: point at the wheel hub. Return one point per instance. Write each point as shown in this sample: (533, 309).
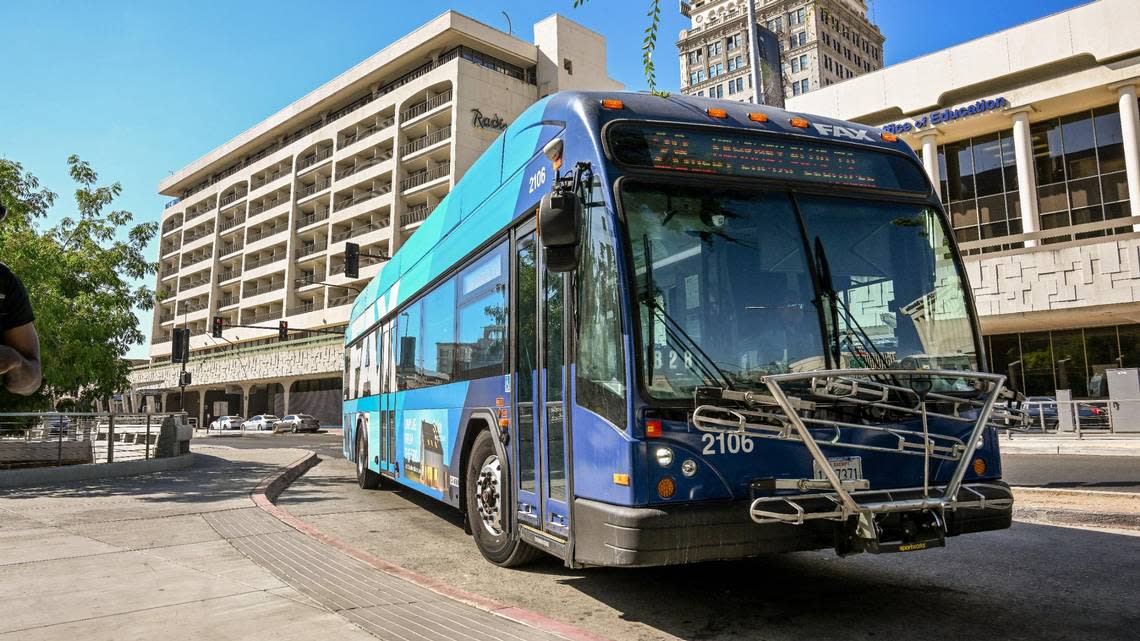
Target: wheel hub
(488, 495)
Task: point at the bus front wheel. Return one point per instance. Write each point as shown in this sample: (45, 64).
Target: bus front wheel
(365, 478)
(487, 507)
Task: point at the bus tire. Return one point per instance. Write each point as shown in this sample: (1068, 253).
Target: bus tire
(486, 508)
(365, 478)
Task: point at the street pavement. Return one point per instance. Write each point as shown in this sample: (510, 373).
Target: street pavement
(1103, 473)
(1032, 581)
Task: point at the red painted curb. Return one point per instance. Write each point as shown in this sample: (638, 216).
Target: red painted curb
(271, 487)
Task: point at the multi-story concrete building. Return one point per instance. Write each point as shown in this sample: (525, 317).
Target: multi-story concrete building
(257, 229)
(1032, 137)
(821, 42)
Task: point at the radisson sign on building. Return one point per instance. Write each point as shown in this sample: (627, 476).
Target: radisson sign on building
(944, 116)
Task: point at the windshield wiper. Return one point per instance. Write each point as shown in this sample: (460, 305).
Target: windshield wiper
(709, 370)
(827, 287)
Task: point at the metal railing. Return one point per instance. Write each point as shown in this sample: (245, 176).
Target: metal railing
(232, 197)
(308, 161)
(194, 259)
(226, 301)
(49, 439)
(191, 307)
(231, 223)
(1054, 239)
(253, 319)
(308, 279)
(421, 108)
(259, 182)
(228, 274)
(365, 164)
(229, 248)
(309, 190)
(342, 300)
(262, 289)
(305, 308)
(315, 217)
(264, 260)
(425, 176)
(425, 141)
(1077, 417)
(349, 139)
(361, 197)
(416, 214)
(264, 232)
(192, 283)
(202, 234)
(359, 230)
(267, 204)
(310, 248)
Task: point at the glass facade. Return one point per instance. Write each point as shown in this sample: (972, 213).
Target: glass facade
(979, 186)
(1039, 363)
(1079, 163)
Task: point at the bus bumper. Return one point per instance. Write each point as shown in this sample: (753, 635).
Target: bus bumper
(616, 535)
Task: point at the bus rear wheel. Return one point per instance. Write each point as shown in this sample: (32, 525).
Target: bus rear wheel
(487, 507)
(365, 478)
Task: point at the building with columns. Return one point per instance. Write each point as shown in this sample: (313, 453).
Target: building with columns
(1032, 138)
(256, 231)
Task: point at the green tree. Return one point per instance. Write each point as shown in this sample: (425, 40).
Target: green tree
(648, 43)
(81, 275)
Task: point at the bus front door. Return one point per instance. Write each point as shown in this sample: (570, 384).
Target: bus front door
(540, 410)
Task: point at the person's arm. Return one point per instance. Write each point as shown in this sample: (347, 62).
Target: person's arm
(20, 359)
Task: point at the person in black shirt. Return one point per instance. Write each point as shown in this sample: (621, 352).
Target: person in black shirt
(19, 344)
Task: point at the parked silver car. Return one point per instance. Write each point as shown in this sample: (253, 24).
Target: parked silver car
(260, 422)
(226, 423)
(299, 423)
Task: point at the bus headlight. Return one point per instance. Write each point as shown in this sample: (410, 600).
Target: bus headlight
(664, 456)
(689, 467)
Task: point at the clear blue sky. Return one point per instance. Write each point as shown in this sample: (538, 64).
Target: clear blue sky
(141, 88)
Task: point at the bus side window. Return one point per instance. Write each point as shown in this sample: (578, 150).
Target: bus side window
(600, 358)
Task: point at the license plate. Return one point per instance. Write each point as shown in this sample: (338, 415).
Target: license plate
(847, 468)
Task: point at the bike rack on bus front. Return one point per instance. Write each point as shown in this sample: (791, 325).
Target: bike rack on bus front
(777, 415)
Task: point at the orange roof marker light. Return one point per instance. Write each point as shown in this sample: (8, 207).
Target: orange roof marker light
(612, 103)
(888, 137)
(716, 113)
(758, 117)
(799, 123)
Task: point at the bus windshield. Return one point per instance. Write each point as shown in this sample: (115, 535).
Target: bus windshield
(734, 284)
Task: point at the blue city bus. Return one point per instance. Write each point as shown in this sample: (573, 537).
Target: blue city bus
(649, 330)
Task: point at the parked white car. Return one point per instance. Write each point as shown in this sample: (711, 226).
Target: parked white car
(226, 423)
(260, 422)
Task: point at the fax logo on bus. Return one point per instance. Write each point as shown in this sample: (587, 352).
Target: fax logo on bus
(837, 131)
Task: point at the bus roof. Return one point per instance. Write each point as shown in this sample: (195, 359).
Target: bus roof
(491, 193)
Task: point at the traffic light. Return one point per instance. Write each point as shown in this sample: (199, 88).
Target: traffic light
(183, 379)
(283, 331)
(180, 345)
(352, 260)
(219, 325)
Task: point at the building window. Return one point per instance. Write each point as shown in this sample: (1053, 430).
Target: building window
(797, 17)
(714, 49)
(695, 57)
(716, 91)
(797, 39)
(1079, 162)
(1039, 363)
(979, 187)
(716, 70)
(799, 63)
(799, 87)
(735, 63)
(700, 75)
(736, 85)
(693, 78)
(775, 25)
(732, 43)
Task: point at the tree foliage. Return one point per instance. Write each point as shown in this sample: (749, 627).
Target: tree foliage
(648, 43)
(81, 276)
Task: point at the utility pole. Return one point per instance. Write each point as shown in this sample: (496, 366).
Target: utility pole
(757, 74)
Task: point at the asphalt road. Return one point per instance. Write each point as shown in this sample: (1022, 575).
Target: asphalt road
(1111, 473)
(1030, 582)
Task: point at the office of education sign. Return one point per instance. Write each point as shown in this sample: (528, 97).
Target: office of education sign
(946, 116)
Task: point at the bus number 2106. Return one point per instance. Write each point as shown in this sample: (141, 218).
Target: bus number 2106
(726, 443)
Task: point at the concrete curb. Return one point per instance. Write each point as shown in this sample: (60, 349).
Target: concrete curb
(50, 475)
(1068, 447)
(1060, 516)
(273, 485)
(1017, 489)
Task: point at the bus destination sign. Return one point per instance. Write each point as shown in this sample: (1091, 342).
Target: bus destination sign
(758, 156)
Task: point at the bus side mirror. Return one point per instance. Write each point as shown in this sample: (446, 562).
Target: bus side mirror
(559, 218)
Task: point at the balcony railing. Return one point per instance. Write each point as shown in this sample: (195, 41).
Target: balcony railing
(263, 289)
(170, 226)
(232, 197)
(160, 337)
(268, 178)
(310, 248)
(422, 108)
(308, 161)
(359, 198)
(228, 274)
(416, 214)
(170, 248)
(192, 283)
(265, 232)
(231, 223)
(309, 190)
(165, 318)
(364, 164)
(264, 260)
(356, 137)
(342, 300)
(425, 176)
(313, 218)
(336, 269)
(189, 307)
(267, 204)
(359, 230)
(194, 259)
(308, 279)
(305, 308)
(412, 146)
(226, 301)
(232, 247)
(168, 272)
(254, 319)
(195, 236)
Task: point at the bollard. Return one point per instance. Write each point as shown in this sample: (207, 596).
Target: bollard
(146, 446)
(111, 438)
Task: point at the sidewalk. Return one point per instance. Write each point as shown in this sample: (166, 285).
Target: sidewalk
(187, 555)
(1087, 445)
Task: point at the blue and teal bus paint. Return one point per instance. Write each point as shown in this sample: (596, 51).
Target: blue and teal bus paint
(604, 521)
